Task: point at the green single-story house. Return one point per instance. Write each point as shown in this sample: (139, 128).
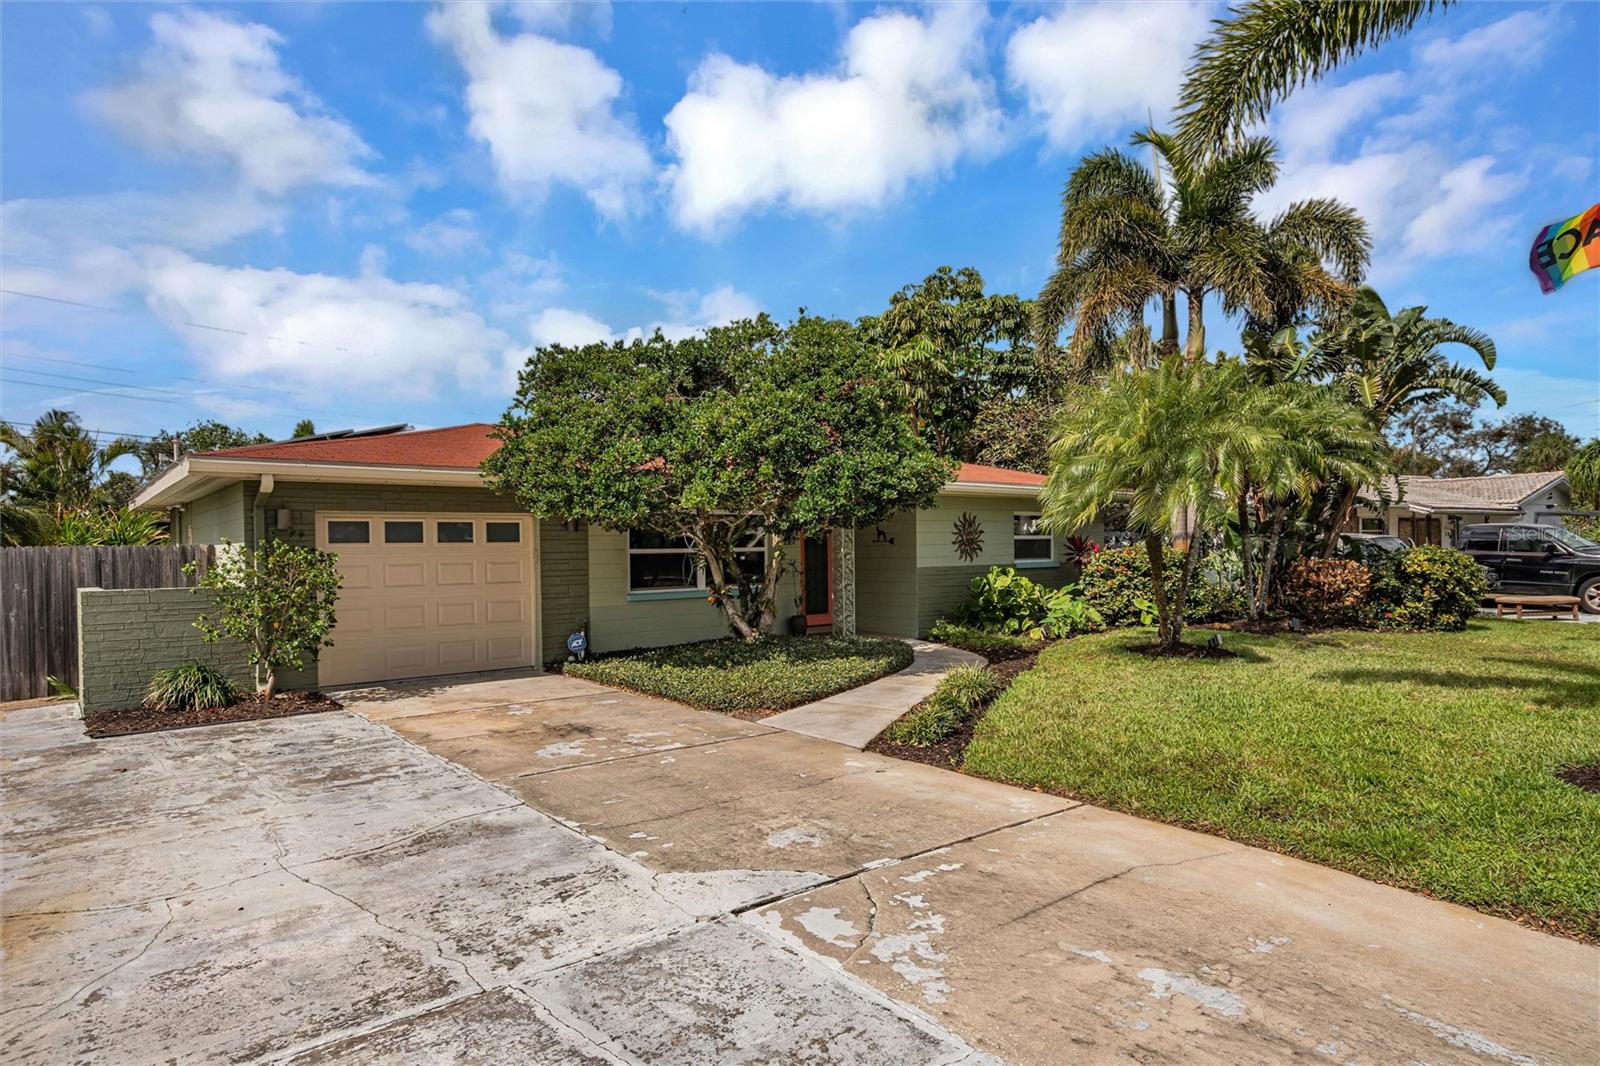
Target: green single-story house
(442, 575)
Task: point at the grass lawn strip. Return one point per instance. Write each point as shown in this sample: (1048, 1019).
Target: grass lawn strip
(750, 680)
(1427, 761)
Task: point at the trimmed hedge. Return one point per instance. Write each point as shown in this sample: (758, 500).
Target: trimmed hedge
(1114, 578)
(959, 693)
(731, 675)
(982, 642)
(1427, 588)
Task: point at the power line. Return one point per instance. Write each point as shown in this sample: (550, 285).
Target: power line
(56, 386)
(111, 433)
(97, 381)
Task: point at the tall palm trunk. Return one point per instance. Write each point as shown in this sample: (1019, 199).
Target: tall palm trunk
(1341, 514)
(1247, 557)
(1158, 586)
(1194, 348)
(1169, 324)
(1269, 559)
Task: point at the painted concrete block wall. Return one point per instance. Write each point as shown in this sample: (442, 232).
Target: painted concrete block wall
(223, 515)
(886, 576)
(126, 635)
(936, 530)
(563, 585)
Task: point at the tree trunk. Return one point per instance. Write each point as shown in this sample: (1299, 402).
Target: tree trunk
(272, 684)
(1246, 558)
(1158, 590)
(1169, 324)
(1347, 501)
(1194, 348)
(1190, 555)
(1269, 562)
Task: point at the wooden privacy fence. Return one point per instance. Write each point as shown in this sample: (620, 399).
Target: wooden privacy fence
(39, 603)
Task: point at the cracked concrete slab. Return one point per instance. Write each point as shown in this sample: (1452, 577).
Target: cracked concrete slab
(720, 992)
(776, 801)
(1142, 942)
(381, 703)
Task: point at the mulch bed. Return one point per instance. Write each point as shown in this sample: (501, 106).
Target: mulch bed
(948, 752)
(1185, 651)
(1586, 777)
(249, 709)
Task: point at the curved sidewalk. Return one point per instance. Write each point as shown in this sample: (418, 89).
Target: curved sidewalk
(855, 716)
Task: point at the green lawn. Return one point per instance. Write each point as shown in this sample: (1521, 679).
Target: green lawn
(1421, 760)
(768, 674)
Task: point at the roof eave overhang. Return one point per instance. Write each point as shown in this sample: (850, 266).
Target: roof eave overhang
(1559, 479)
(197, 475)
(977, 488)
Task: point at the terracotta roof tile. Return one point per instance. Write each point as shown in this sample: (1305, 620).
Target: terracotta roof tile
(979, 474)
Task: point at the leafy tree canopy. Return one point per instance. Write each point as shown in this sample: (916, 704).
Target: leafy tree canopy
(951, 348)
(754, 428)
(210, 435)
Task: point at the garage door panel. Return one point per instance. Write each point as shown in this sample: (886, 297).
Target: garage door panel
(404, 575)
(410, 609)
(458, 613)
(504, 572)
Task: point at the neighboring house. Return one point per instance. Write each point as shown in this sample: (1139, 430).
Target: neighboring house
(441, 575)
(1431, 510)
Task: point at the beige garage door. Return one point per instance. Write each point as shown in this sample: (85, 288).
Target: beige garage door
(428, 594)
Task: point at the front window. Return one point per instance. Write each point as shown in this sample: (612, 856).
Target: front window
(658, 563)
(1568, 539)
(752, 557)
(1030, 543)
(1372, 525)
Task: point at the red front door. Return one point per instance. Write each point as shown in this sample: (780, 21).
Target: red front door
(816, 580)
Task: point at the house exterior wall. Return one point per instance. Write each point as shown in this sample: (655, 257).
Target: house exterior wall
(886, 576)
(223, 515)
(1394, 520)
(126, 635)
(563, 586)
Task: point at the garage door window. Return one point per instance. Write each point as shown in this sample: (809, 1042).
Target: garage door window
(455, 532)
(402, 532)
(348, 532)
(502, 532)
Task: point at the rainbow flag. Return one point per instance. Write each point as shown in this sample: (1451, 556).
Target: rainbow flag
(1566, 248)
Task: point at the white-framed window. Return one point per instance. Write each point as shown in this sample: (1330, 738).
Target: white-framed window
(661, 563)
(1373, 525)
(1029, 543)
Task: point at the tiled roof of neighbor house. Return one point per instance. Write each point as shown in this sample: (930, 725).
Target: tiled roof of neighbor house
(466, 447)
(1494, 492)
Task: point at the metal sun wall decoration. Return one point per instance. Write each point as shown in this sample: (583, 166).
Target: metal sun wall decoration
(967, 536)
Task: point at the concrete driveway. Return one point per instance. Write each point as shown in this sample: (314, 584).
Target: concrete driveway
(535, 868)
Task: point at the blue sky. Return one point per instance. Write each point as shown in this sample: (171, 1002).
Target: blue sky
(370, 213)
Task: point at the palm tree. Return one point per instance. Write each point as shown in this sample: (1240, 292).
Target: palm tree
(1387, 364)
(1271, 47)
(1129, 238)
(56, 464)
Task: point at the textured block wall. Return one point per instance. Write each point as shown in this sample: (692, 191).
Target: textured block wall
(126, 635)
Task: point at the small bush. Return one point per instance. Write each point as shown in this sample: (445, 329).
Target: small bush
(1426, 588)
(1004, 601)
(1327, 591)
(194, 686)
(1117, 583)
(982, 642)
(959, 693)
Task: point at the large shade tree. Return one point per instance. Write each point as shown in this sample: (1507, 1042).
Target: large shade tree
(168, 445)
(1133, 236)
(752, 430)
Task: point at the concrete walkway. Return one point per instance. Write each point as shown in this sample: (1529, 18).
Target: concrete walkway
(856, 716)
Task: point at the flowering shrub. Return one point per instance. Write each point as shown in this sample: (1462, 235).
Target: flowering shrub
(1080, 549)
(1327, 591)
(1116, 582)
(1425, 588)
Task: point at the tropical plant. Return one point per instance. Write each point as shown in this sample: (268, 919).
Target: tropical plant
(1130, 237)
(55, 466)
(1327, 591)
(1387, 364)
(960, 693)
(1004, 601)
(167, 446)
(1268, 48)
(191, 686)
(304, 428)
(1116, 583)
(277, 600)
(109, 527)
(752, 430)
(1583, 475)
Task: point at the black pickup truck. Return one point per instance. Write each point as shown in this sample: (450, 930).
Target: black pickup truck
(1544, 560)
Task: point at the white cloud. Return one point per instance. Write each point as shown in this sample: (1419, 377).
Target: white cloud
(1516, 40)
(361, 337)
(211, 89)
(687, 313)
(1457, 216)
(563, 14)
(545, 110)
(906, 103)
(451, 234)
(1309, 124)
(1092, 71)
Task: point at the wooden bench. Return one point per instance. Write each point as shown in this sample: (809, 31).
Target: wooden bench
(1537, 604)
